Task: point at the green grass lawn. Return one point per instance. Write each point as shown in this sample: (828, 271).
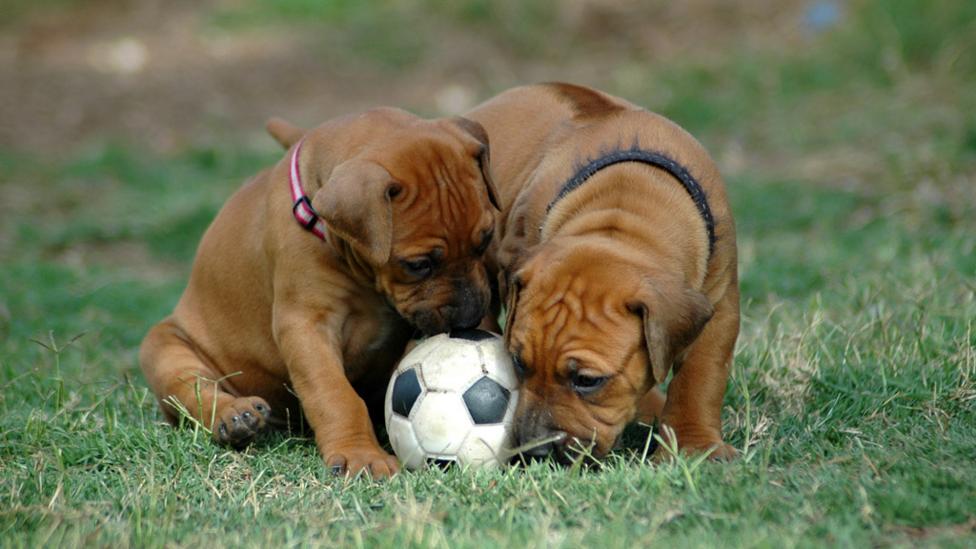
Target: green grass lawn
(853, 394)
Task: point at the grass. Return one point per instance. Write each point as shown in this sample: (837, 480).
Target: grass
(853, 395)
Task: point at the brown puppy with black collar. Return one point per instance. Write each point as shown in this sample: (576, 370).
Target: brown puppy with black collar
(617, 250)
(278, 323)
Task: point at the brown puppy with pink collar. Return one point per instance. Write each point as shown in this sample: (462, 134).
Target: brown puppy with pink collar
(314, 275)
(617, 250)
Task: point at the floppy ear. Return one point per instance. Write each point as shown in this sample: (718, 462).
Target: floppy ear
(479, 134)
(283, 131)
(673, 316)
(514, 285)
(515, 272)
(356, 205)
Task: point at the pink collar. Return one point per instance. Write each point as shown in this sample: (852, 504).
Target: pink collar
(302, 209)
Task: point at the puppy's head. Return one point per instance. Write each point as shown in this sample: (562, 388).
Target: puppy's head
(590, 333)
(414, 206)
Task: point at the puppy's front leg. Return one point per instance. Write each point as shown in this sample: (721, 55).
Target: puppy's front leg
(694, 402)
(310, 345)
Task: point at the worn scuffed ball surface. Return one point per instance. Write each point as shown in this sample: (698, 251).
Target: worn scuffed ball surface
(451, 400)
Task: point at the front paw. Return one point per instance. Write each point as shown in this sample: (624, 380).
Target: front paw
(689, 446)
(721, 452)
(239, 421)
(367, 459)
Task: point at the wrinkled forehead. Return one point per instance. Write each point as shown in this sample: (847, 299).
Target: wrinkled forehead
(577, 275)
(576, 287)
(426, 158)
(443, 202)
(568, 305)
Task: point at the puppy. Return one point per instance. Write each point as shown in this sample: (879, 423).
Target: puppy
(315, 274)
(616, 248)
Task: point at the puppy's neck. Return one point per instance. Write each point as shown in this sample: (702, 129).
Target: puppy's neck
(644, 209)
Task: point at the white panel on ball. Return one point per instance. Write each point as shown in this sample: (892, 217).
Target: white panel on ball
(486, 444)
(449, 366)
(439, 420)
(417, 355)
(499, 365)
(404, 442)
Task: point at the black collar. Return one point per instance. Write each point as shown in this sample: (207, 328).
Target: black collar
(655, 159)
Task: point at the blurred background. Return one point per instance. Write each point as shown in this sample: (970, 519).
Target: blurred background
(125, 124)
(845, 129)
(168, 74)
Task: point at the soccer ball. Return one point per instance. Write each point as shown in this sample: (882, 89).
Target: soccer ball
(451, 400)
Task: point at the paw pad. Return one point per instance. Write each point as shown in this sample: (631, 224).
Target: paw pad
(241, 420)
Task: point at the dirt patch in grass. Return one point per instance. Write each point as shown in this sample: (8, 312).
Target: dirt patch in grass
(164, 74)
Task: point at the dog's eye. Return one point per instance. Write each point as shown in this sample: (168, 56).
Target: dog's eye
(585, 385)
(486, 237)
(418, 268)
(520, 369)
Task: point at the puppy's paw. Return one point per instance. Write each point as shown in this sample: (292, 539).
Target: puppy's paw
(716, 450)
(240, 421)
(721, 452)
(367, 459)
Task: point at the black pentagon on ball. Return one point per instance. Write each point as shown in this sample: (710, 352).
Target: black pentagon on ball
(406, 390)
(486, 401)
(471, 334)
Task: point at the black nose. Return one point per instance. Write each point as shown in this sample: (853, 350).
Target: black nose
(541, 451)
(466, 322)
(469, 305)
(538, 442)
(469, 314)
(445, 319)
